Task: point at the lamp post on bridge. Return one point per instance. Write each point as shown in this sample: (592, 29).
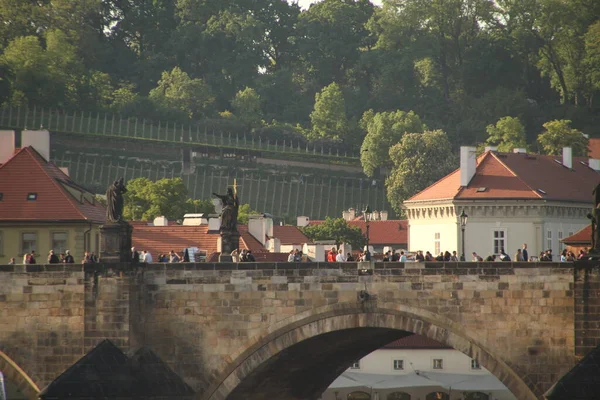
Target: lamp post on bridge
(463, 224)
(368, 216)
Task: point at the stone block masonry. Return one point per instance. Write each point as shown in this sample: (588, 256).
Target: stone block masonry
(227, 327)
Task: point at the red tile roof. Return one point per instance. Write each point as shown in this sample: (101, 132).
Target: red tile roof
(390, 232)
(58, 197)
(594, 148)
(163, 239)
(415, 342)
(583, 236)
(288, 234)
(518, 176)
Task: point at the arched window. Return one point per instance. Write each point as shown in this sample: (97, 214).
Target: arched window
(477, 396)
(437, 396)
(398, 396)
(359, 396)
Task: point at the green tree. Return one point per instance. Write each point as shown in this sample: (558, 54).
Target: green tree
(146, 200)
(383, 131)
(419, 160)
(328, 118)
(177, 91)
(507, 134)
(246, 106)
(336, 229)
(559, 134)
(244, 212)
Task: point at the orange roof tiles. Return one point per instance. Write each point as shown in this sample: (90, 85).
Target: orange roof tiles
(58, 197)
(288, 234)
(390, 232)
(163, 239)
(584, 236)
(594, 148)
(518, 176)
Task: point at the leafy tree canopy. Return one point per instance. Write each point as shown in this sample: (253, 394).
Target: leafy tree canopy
(328, 118)
(146, 200)
(246, 106)
(244, 212)
(559, 134)
(419, 160)
(507, 134)
(336, 229)
(384, 130)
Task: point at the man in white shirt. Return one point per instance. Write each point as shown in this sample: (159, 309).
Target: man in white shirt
(146, 257)
(340, 256)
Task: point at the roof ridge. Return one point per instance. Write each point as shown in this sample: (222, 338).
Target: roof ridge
(53, 180)
(516, 176)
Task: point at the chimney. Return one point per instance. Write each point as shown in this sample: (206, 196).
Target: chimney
(302, 221)
(195, 219)
(468, 164)
(351, 214)
(594, 164)
(39, 140)
(260, 226)
(346, 215)
(568, 157)
(161, 221)
(491, 148)
(520, 150)
(384, 215)
(7, 145)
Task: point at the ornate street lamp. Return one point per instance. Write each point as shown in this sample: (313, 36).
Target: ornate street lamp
(368, 216)
(463, 224)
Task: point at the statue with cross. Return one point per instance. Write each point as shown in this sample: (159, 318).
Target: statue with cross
(229, 211)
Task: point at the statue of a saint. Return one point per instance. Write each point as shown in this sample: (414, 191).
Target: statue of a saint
(229, 213)
(114, 201)
(594, 216)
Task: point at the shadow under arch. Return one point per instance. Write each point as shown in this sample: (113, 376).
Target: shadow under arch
(17, 376)
(321, 343)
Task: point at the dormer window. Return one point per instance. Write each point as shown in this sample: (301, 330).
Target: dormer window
(541, 191)
(481, 189)
(1, 196)
(31, 196)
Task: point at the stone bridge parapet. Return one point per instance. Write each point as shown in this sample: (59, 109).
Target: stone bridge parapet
(225, 327)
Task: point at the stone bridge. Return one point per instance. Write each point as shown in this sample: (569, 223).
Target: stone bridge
(285, 331)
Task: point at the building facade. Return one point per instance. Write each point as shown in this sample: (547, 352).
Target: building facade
(41, 208)
(509, 198)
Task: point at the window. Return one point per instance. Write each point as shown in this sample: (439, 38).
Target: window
(398, 364)
(1, 242)
(355, 365)
(499, 241)
(561, 245)
(398, 396)
(359, 396)
(59, 242)
(28, 242)
(477, 396)
(475, 364)
(549, 239)
(1, 196)
(436, 243)
(31, 196)
(437, 396)
(438, 363)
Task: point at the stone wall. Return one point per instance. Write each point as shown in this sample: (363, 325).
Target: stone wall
(201, 317)
(225, 328)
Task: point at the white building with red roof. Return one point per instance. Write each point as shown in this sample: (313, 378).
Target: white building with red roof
(510, 199)
(41, 208)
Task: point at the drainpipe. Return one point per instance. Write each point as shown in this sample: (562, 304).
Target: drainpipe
(84, 237)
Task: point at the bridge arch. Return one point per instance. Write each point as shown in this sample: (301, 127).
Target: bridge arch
(18, 377)
(323, 342)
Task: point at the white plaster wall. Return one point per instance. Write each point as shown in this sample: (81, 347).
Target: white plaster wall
(566, 226)
(382, 362)
(422, 235)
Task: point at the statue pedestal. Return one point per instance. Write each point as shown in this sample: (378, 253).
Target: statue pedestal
(115, 242)
(230, 241)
